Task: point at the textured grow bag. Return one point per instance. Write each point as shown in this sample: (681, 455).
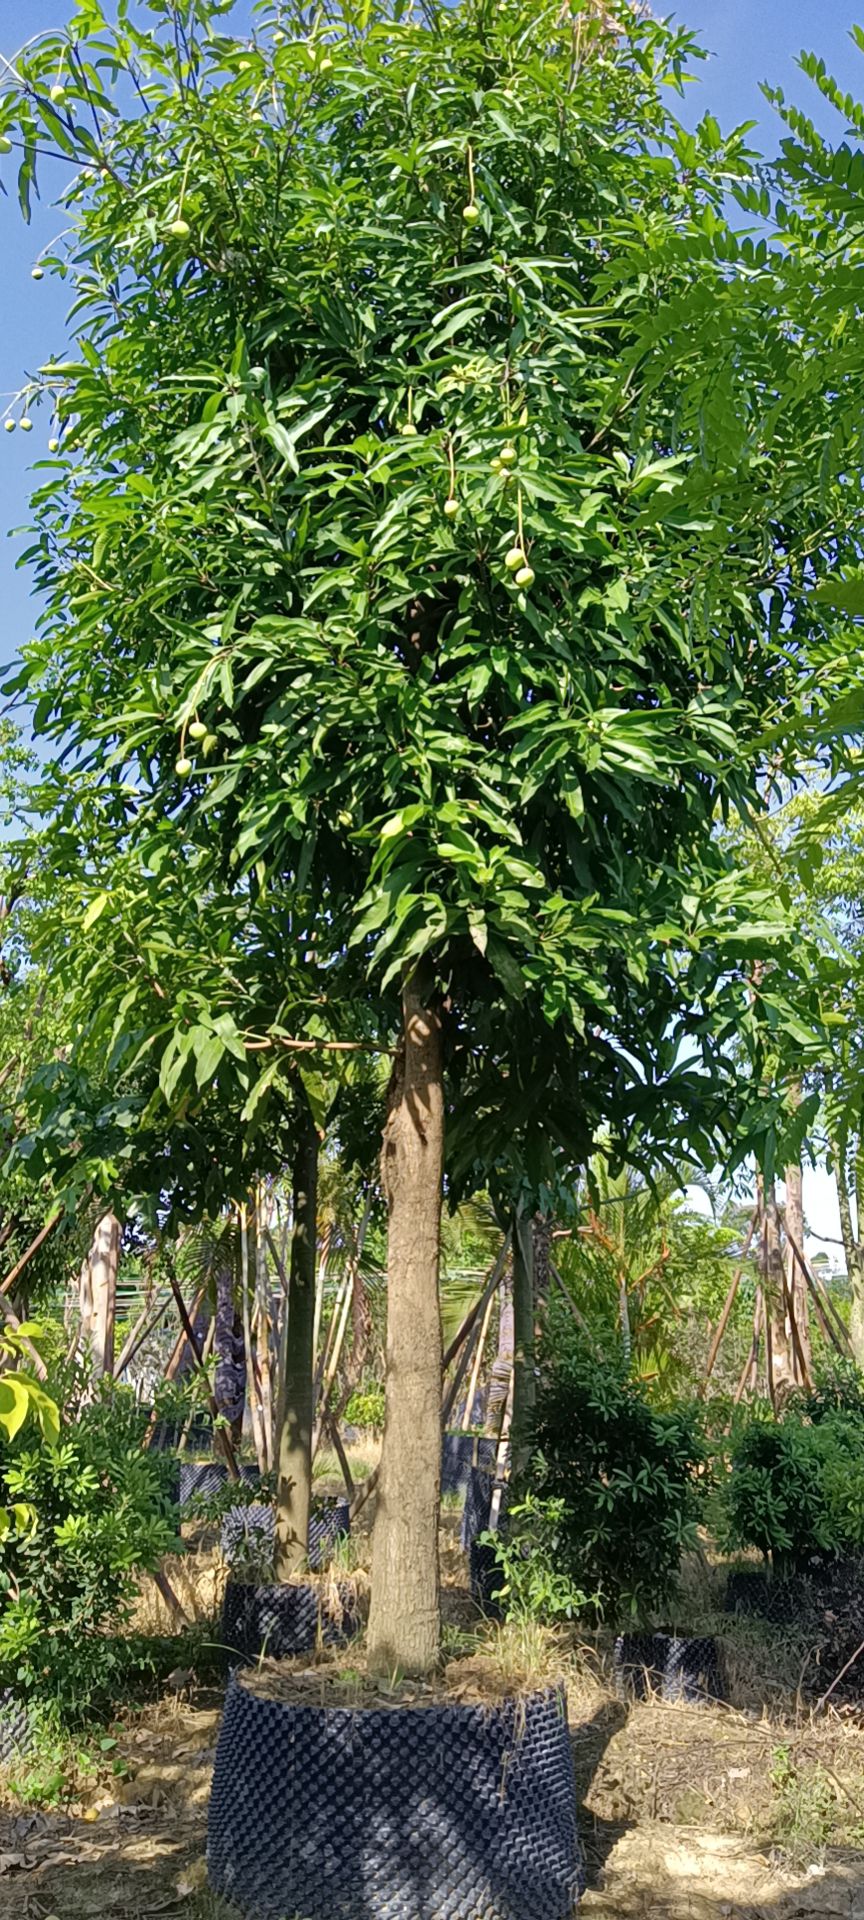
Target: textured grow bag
(459, 1453)
(438, 1813)
(671, 1665)
(282, 1620)
(485, 1573)
(205, 1477)
(16, 1727)
(250, 1532)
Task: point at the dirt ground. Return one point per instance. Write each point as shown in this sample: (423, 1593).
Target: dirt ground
(748, 1812)
(678, 1810)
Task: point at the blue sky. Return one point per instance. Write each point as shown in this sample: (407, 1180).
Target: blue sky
(749, 41)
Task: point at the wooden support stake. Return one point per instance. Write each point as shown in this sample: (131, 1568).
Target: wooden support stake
(16, 1271)
(728, 1304)
(478, 1362)
(221, 1434)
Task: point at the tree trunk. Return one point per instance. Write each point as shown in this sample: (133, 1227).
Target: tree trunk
(229, 1384)
(523, 1353)
(541, 1233)
(796, 1284)
(297, 1392)
(404, 1621)
(102, 1261)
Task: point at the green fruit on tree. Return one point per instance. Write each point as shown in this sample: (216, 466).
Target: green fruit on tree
(37, 273)
(183, 766)
(180, 229)
(5, 143)
(325, 65)
(10, 426)
(508, 456)
(525, 577)
(57, 94)
(515, 558)
(451, 507)
(409, 430)
(26, 424)
(471, 214)
(53, 446)
(197, 730)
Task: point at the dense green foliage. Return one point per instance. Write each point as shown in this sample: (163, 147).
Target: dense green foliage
(623, 1480)
(796, 1487)
(392, 595)
(101, 1514)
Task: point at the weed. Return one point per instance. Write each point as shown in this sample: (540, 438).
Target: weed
(804, 1808)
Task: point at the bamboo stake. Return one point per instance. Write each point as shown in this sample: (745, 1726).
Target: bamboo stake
(163, 1584)
(320, 1278)
(369, 1485)
(206, 1350)
(263, 1328)
(336, 1437)
(841, 1341)
(335, 1357)
(252, 1383)
(15, 1273)
(564, 1290)
(462, 1334)
(452, 1394)
(478, 1362)
(728, 1304)
(752, 1359)
(501, 1456)
(140, 1332)
(219, 1432)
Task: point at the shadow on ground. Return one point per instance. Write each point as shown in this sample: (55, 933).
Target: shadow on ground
(142, 1854)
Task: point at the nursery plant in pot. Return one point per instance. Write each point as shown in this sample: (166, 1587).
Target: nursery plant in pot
(464, 704)
(332, 1800)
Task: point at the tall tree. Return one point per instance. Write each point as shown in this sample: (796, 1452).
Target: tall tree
(424, 560)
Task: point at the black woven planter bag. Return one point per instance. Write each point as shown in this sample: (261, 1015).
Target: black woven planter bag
(16, 1727)
(283, 1620)
(439, 1813)
(249, 1533)
(203, 1477)
(484, 1572)
(671, 1665)
(459, 1453)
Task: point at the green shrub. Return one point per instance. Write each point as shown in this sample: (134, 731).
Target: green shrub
(531, 1554)
(103, 1514)
(623, 1480)
(365, 1409)
(796, 1486)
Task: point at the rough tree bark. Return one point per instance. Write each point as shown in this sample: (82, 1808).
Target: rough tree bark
(99, 1291)
(523, 1350)
(404, 1620)
(296, 1397)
